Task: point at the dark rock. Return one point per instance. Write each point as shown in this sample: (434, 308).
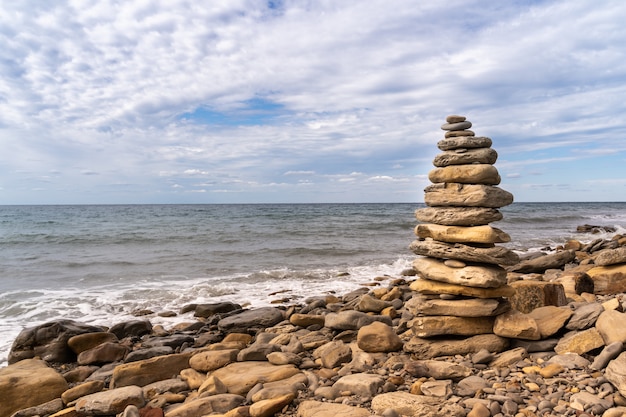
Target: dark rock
(49, 341)
(173, 341)
(251, 321)
(131, 328)
(141, 354)
(208, 310)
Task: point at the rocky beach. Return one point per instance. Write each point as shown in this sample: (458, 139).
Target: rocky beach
(472, 329)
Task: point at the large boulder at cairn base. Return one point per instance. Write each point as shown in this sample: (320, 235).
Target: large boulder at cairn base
(466, 195)
(250, 321)
(49, 341)
(28, 383)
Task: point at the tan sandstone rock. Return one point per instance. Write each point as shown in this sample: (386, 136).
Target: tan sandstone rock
(378, 337)
(466, 156)
(28, 383)
(408, 404)
(461, 307)
(149, 370)
(516, 325)
(428, 286)
(480, 276)
(550, 319)
(462, 234)
(458, 216)
(579, 342)
(312, 408)
(530, 294)
(220, 403)
(240, 377)
(210, 360)
(612, 326)
(466, 174)
(608, 279)
(428, 326)
(431, 348)
(110, 402)
(466, 195)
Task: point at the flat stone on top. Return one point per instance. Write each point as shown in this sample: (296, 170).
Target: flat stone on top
(453, 118)
(457, 126)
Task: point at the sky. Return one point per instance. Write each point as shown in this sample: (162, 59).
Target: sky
(243, 101)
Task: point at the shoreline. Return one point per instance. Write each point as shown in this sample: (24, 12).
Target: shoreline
(358, 353)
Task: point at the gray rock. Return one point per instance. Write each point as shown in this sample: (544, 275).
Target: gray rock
(466, 156)
(496, 255)
(468, 387)
(365, 385)
(131, 328)
(457, 126)
(469, 142)
(609, 353)
(584, 316)
(409, 404)
(611, 256)
(540, 264)
(109, 402)
(251, 321)
(47, 408)
(437, 369)
(570, 361)
(615, 373)
(141, 354)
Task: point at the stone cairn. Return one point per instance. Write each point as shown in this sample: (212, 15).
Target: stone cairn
(463, 284)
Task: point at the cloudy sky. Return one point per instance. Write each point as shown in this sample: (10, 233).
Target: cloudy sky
(184, 101)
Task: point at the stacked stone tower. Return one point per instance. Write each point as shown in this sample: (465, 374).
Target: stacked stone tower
(462, 285)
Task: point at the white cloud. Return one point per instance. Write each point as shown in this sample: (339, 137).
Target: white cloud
(308, 89)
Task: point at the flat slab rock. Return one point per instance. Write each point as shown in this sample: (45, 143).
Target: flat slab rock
(464, 142)
(496, 255)
(466, 156)
(428, 286)
(462, 234)
(480, 276)
(466, 174)
(458, 216)
(408, 404)
(462, 307)
(423, 348)
(466, 195)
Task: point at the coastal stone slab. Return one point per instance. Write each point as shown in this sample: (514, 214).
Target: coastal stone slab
(289, 385)
(306, 320)
(270, 406)
(333, 354)
(408, 404)
(428, 286)
(110, 402)
(495, 255)
(423, 348)
(312, 408)
(612, 326)
(540, 264)
(608, 257)
(369, 304)
(130, 328)
(550, 319)
(250, 321)
(429, 326)
(149, 370)
(81, 390)
(48, 341)
(103, 353)
(480, 276)
(365, 385)
(420, 304)
(580, 342)
(464, 142)
(609, 279)
(220, 403)
(576, 282)
(516, 325)
(45, 409)
(28, 383)
(240, 377)
(466, 174)
(462, 234)
(530, 294)
(378, 337)
(466, 156)
(509, 357)
(437, 369)
(458, 216)
(211, 309)
(615, 372)
(86, 341)
(609, 353)
(352, 320)
(439, 388)
(466, 195)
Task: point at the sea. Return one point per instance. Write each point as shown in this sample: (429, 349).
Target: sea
(101, 264)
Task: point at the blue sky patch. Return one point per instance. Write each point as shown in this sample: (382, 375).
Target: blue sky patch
(254, 112)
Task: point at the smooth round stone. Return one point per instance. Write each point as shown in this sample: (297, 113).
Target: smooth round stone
(453, 263)
(454, 133)
(457, 126)
(453, 118)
